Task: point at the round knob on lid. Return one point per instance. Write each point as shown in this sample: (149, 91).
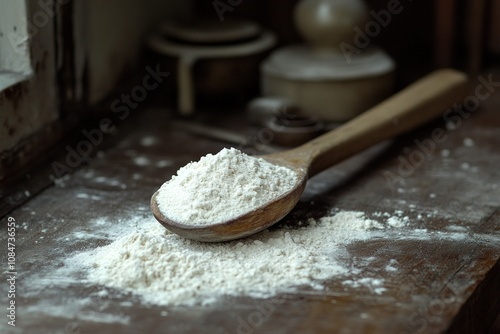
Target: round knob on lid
(325, 24)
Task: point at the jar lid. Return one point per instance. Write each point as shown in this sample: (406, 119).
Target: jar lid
(210, 31)
(263, 42)
(303, 63)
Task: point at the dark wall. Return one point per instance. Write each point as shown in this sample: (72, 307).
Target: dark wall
(408, 37)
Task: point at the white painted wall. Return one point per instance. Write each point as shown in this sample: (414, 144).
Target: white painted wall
(29, 106)
(15, 64)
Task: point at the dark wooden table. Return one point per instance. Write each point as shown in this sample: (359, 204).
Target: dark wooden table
(448, 277)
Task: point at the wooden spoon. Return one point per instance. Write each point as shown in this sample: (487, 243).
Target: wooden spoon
(413, 106)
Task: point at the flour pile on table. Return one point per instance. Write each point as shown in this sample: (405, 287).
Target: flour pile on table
(222, 187)
(166, 269)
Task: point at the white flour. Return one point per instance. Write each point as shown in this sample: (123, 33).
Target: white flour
(222, 187)
(166, 269)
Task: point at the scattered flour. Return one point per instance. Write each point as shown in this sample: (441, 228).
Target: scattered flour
(148, 141)
(142, 161)
(373, 284)
(445, 153)
(397, 222)
(351, 220)
(88, 196)
(166, 269)
(164, 163)
(392, 266)
(222, 187)
(468, 142)
(457, 228)
(451, 126)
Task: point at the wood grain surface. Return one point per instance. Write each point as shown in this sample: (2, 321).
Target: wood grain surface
(447, 276)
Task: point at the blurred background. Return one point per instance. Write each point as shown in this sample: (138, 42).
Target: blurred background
(59, 57)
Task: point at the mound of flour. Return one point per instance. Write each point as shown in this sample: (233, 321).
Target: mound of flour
(222, 187)
(166, 269)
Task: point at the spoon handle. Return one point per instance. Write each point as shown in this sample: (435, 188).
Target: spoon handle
(420, 102)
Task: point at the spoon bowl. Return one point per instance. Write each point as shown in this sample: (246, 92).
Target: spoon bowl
(250, 223)
(415, 105)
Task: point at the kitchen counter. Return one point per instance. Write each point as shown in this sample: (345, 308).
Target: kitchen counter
(446, 260)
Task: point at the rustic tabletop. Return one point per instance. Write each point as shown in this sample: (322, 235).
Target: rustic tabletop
(445, 274)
